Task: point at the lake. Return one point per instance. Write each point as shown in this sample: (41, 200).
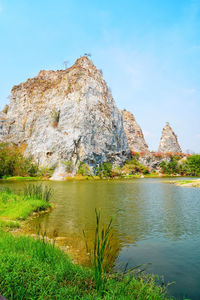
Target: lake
(154, 222)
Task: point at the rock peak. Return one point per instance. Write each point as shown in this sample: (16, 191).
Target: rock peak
(169, 140)
(66, 115)
(84, 62)
(134, 133)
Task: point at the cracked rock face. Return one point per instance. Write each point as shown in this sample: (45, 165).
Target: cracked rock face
(134, 133)
(4, 127)
(169, 141)
(66, 115)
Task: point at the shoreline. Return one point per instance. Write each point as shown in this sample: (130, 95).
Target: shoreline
(187, 183)
(92, 178)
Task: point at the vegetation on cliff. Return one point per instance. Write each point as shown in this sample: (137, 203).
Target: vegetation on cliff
(188, 167)
(14, 163)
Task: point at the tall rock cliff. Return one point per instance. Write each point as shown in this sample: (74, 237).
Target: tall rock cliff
(66, 115)
(134, 133)
(169, 141)
(3, 126)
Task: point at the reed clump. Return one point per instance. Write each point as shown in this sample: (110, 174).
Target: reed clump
(18, 206)
(100, 255)
(38, 191)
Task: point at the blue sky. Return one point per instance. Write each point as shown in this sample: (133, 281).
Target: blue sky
(149, 51)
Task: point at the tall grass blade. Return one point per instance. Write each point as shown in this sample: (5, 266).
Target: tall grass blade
(38, 191)
(101, 255)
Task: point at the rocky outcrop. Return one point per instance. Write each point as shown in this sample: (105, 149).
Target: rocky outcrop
(169, 141)
(67, 115)
(152, 161)
(4, 127)
(134, 133)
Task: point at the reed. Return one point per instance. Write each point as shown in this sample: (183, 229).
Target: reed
(38, 191)
(102, 254)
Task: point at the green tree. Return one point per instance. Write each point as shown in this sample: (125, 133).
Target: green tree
(193, 165)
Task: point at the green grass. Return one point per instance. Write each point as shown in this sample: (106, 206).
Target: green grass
(193, 183)
(181, 182)
(35, 269)
(13, 178)
(15, 207)
(9, 224)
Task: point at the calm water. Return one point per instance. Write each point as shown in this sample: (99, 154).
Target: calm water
(154, 222)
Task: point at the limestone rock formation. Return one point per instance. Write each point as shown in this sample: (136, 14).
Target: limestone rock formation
(4, 127)
(169, 141)
(66, 115)
(134, 133)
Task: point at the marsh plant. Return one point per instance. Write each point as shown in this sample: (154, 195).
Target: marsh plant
(101, 254)
(38, 191)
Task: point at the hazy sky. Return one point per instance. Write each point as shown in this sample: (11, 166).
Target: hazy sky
(149, 51)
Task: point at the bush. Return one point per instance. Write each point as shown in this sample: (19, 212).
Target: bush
(84, 169)
(135, 154)
(192, 165)
(116, 171)
(46, 171)
(69, 166)
(133, 167)
(104, 170)
(171, 167)
(13, 162)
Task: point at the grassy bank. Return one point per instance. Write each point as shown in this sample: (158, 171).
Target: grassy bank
(35, 269)
(187, 183)
(131, 176)
(27, 178)
(15, 208)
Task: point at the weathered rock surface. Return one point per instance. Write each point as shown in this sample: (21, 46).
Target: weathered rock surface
(153, 162)
(66, 115)
(169, 141)
(4, 127)
(134, 133)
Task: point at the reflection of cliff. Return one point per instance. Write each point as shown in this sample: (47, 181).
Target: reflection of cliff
(76, 203)
(181, 212)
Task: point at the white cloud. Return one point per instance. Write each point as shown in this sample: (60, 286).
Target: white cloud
(0, 8)
(198, 136)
